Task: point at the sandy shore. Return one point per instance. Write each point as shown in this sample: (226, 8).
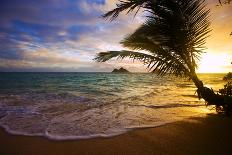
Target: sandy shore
(210, 135)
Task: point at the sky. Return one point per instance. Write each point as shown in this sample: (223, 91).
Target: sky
(65, 35)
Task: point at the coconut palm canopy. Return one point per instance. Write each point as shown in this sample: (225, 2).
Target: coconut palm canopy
(174, 35)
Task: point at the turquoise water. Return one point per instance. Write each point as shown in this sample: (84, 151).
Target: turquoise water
(84, 105)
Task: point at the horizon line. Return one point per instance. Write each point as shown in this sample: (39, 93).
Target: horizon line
(93, 72)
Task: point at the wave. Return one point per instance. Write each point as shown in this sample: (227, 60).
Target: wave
(80, 106)
(166, 106)
(63, 137)
(107, 121)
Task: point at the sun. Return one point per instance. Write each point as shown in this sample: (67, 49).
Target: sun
(214, 63)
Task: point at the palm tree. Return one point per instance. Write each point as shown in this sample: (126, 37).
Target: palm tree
(173, 37)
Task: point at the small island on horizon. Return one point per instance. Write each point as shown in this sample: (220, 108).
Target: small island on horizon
(120, 70)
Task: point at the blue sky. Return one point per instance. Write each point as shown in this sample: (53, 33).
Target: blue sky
(65, 35)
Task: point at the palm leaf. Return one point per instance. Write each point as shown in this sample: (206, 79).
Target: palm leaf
(154, 63)
(174, 35)
(130, 6)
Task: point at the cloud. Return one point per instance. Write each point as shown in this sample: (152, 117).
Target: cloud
(65, 35)
(58, 33)
(35, 24)
(51, 12)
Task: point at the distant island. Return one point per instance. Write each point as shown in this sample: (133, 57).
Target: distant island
(121, 70)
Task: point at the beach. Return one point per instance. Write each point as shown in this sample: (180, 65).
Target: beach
(196, 135)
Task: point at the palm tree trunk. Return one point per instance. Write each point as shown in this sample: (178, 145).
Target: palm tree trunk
(206, 93)
(199, 84)
(222, 103)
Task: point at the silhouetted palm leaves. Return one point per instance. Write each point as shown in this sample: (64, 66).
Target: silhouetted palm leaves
(129, 6)
(172, 39)
(174, 35)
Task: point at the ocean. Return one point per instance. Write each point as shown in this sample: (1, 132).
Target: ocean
(63, 106)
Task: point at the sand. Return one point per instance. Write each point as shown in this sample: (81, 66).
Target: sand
(209, 135)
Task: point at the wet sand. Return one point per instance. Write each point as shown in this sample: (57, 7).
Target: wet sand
(208, 135)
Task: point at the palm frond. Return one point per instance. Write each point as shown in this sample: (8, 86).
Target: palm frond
(153, 63)
(174, 35)
(105, 56)
(129, 6)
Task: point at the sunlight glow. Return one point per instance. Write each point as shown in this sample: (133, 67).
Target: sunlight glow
(214, 63)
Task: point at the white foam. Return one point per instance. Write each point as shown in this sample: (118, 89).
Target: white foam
(73, 137)
(109, 133)
(61, 137)
(15, 132)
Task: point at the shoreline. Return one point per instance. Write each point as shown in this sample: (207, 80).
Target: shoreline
(51, 137)
(94, 136)
(196, 135)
